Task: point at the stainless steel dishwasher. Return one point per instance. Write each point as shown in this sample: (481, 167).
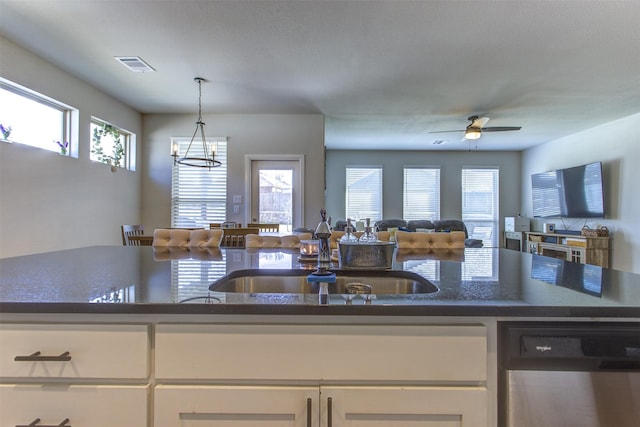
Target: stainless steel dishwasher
(569, 374)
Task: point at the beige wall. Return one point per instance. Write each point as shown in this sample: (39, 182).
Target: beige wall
(450, 163)
(252, 134)
(51, 202)
(617, 145)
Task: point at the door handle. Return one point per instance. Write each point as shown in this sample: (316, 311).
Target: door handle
(36, 423)
(329, 412)
(308, 412)
(37, 357)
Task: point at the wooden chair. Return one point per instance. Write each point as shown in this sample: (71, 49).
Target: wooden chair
(131, 230)
(235, 237)
(266, 228)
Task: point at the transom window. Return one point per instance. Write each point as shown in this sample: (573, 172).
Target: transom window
(421, 196)
(111, 145)
(29, 118)
(364, 193)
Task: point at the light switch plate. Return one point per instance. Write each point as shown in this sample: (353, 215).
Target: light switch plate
(237, 198)
(236, 209)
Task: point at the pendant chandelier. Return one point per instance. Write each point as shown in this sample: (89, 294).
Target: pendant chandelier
(207, 158)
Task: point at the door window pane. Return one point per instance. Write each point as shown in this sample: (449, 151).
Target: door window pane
(276, 201)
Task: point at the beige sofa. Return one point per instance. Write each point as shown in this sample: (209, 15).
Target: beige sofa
(423, 240)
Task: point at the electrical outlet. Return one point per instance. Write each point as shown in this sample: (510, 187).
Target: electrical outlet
(236, 209)
(237, 198)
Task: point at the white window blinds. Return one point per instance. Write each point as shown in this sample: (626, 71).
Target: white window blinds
(364, 193)
(421, 197)
(480, 201)
(199, 195)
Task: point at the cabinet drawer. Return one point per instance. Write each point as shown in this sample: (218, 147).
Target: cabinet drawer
(327, 352)
(90, 406)
(95, 351)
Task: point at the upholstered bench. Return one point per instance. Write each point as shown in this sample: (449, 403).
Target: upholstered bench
(180, 237)
(440, 240)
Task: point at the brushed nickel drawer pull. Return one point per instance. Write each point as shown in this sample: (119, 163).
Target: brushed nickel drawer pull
(36, 357)
(36, 423)
(308, 412)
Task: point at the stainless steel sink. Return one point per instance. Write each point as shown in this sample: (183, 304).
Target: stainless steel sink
(261, 281)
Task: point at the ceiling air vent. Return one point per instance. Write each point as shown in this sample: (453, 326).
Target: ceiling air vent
(135, 64)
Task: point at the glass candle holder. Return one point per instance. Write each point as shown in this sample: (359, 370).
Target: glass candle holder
(309, 248)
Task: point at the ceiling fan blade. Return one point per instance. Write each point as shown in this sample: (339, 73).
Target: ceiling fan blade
(501, 128)
(446, 131)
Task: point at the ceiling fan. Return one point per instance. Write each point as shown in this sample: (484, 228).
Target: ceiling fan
(476, 127)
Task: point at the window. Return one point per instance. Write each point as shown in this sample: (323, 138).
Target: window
(111, 145)
(199, 195)
(33, 119)
(364, 193)
(480, 204)
(421, 197)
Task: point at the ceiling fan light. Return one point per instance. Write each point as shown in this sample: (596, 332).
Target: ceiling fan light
(472, 134)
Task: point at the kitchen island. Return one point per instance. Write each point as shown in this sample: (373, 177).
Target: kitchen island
(139, 329)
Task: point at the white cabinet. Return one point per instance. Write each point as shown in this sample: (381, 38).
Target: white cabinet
(321, 375)
(90, 375)
(323, 406)
(217, 406)
(404, 406)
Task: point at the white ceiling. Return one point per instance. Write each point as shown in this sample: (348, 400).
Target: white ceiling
(384, 73)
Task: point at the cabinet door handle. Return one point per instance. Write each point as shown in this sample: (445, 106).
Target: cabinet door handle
(37, 357)
(329, 411)
(308, 412)
(36, 423)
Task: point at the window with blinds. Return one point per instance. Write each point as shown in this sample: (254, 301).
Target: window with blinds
(480, 201)
(364, 193)
(190, 279)
(421, 193)
(199, 195)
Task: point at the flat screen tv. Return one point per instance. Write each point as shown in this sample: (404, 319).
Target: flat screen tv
(575, 192)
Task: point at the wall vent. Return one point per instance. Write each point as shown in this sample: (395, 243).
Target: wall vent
(134, 63)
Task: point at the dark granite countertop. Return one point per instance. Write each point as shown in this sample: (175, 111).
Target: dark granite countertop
(472, 282)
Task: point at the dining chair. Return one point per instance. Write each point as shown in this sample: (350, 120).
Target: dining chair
(266, 228)
(288, 242)
(131, 230)
(235, 237)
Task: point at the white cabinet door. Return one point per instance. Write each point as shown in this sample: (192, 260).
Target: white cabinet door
(82, 405)
(233, 406)
(403, 407)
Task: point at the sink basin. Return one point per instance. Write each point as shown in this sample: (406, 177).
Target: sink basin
(261, 281)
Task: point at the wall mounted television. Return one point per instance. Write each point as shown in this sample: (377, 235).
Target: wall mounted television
(575, 192)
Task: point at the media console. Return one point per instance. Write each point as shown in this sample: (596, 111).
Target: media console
(570, 247)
